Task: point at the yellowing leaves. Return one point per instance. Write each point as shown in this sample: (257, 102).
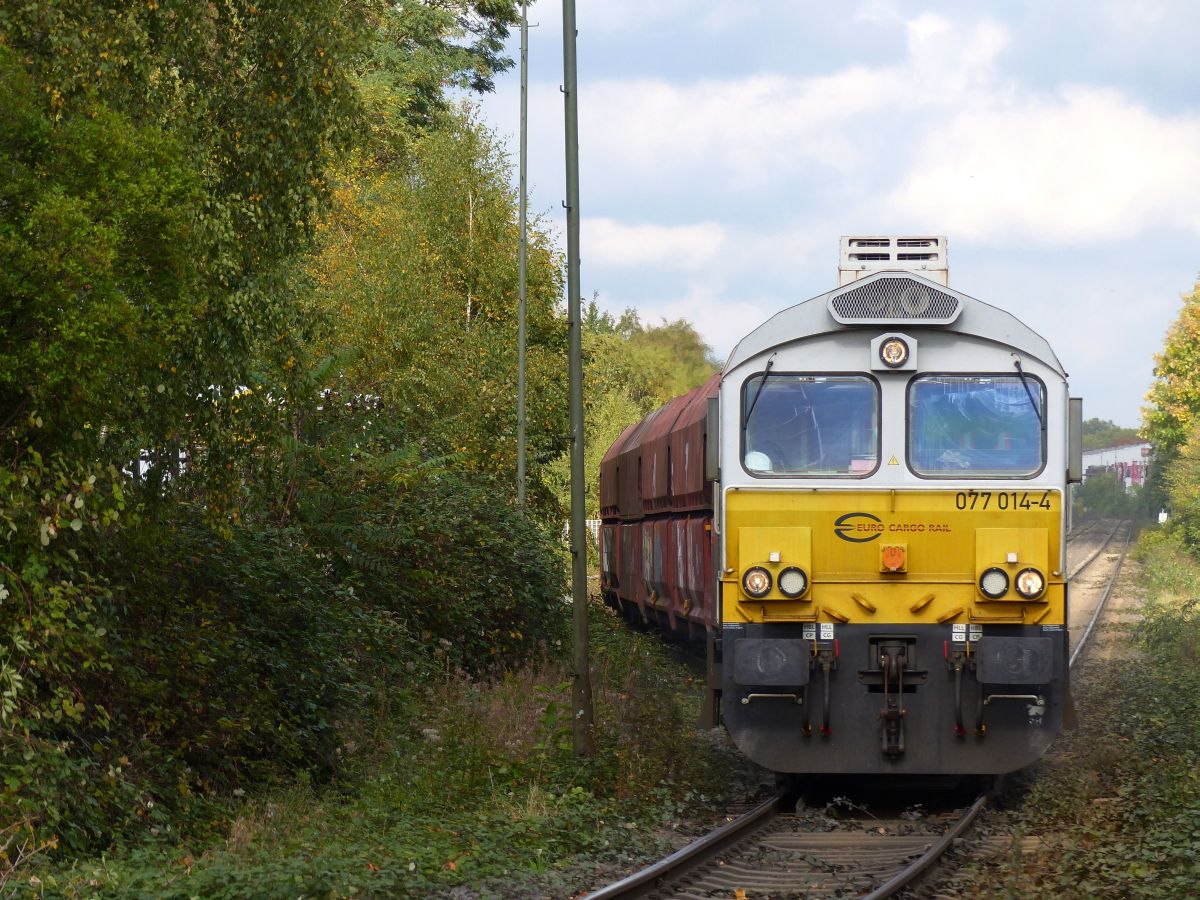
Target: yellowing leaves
(416, 272)
(1174, 398)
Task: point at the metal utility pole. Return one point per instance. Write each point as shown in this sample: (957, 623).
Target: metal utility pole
(581, 691)
(524, 256)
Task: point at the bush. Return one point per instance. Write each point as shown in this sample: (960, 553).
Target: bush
(1104, 496)
(466, 785)
(1170, 628)
(445, 551)
(212, 663)
(205, 663)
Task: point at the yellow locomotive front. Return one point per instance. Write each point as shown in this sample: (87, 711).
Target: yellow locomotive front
(893, 462)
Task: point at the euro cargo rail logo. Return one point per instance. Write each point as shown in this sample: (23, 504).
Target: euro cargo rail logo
(858, 527)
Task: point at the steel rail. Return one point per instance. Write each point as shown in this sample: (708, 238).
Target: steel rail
(926, 860)
(643, 882)
(1087, 562)
(1082, 530)
(1112, 580)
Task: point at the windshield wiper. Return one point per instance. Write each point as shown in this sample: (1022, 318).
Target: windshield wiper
(762, 384)
(1028, 393)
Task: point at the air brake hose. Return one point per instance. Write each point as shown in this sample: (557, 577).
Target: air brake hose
(805, 725)
(958, 711)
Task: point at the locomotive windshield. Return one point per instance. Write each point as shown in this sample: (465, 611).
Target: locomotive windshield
(983, 425)
(810, 425)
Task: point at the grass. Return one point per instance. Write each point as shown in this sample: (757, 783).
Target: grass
(461, 784)
(1117, 803)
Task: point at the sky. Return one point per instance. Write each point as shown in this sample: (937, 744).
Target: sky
(726, 146)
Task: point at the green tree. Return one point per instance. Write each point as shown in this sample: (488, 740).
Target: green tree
(630, 369)
(98, 241)
(97, 237)
(423, 46)
(1182, 483)
(166, 165)
(651, 363)
(248, 103)
(1174, 397)
(1101, 433)
(1103, 495)
(258, 98)
(1173, 401)
(416, 276)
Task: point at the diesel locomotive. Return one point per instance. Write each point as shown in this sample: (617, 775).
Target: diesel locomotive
(863, 516)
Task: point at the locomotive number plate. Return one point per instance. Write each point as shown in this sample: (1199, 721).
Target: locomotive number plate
(974, 499)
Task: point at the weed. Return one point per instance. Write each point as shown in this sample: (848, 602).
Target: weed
(838, 804)
(461, 781)
(914, 813)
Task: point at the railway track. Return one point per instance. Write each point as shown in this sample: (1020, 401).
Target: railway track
(1103, 545)
(1107, 592)
(784, 849)
(1077, 532)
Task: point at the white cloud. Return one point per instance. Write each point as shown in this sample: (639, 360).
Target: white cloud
(684, 247)
(758, 128)
(1085, 165)
(878, 12)
(722, 321)
(711, 252)
(944, 140)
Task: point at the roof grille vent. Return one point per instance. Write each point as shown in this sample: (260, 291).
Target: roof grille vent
(864, 255)
(894, 301)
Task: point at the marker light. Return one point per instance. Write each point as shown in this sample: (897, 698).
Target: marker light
(792, 582)
(892, 557)
(993, 583)
(893, 353)
(757, 582)
(1030, 583)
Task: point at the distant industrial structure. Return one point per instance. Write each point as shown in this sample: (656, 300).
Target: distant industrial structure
(1129, 462)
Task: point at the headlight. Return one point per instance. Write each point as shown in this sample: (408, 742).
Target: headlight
(893, 353)
(1030, 583)
(993, 583)
(757, 582)
(792, 582)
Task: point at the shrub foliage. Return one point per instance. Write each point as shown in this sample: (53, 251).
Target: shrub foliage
(233, 512)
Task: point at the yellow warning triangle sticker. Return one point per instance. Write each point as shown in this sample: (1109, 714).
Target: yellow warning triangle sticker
(893, 461)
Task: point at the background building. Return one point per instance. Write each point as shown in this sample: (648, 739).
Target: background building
(1130, 462)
